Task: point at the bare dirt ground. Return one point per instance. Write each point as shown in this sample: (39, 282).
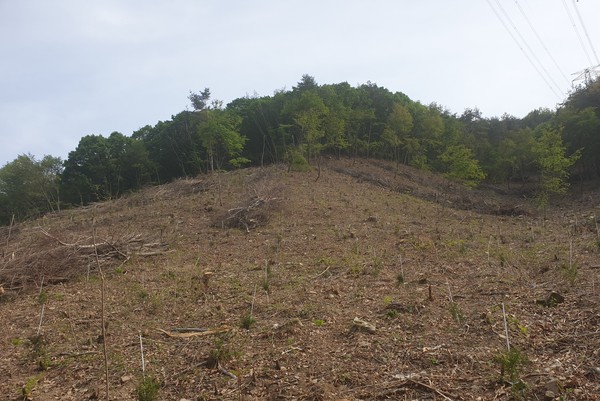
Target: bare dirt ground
(367, 284)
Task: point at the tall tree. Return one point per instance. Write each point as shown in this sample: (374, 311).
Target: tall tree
(308, 112)
(399, 125)
(29, 187)
(219, 134)
(553, 163)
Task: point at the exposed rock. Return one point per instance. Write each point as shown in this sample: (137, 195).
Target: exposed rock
(361, 325)
(552, 300)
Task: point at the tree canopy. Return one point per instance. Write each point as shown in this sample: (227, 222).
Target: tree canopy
(298, 125)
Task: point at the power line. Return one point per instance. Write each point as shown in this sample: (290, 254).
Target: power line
(577, 32)
(539, 38)
(587, 35)
(521, 48)
(539, 63)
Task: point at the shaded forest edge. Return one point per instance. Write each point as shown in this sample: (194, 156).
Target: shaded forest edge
(541, 153)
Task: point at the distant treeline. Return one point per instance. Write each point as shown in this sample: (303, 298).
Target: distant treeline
(298, 126)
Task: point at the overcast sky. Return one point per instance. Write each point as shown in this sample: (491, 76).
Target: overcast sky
(70, 68)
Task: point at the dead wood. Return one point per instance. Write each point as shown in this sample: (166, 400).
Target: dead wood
(188, 334)
(254, 213)
(59, 260)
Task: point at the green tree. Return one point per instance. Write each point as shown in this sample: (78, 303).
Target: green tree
(308, 112)
(553, 164)
(399, 125)
(29, 187)
(219, 134)
(425, 139)
(462, 166)
(581, 131)
(103, 168)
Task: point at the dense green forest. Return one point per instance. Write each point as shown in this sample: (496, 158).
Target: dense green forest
(550, 148)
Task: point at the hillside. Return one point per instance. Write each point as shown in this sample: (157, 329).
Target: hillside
(363, 284)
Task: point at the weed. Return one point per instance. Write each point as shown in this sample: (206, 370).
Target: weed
(147, 389)
(221, 353)
(511, 364)
(515, 321)
(265, 284)
(502, 258)
(16, 341)
(387, 300)
(377, 265)
(570, 273)
(140, 292)
(39, 351)
(59, 296)
(391, 313)
(247, 322)
(456, 312)
(42, 297)
(29, 385)
(319, 322)
(400, 279)
(155, 304)
(279, 242)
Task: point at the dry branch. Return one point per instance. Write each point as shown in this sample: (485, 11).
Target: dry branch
(60, 259)
(188, 334)
(253, 214)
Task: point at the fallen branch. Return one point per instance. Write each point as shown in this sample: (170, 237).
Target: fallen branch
(226, 372)
(78, 354)
(217, 330)
(249, 216)
(320, 274)
(395, 386)
(188, 329)
(430, 388)
(120, 249)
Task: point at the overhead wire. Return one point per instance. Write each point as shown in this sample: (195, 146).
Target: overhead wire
(539, 38)
(533, 54)
(527, 56)
(587, 35)
(574, 25)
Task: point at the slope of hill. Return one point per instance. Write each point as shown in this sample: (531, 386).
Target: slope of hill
(366, 284)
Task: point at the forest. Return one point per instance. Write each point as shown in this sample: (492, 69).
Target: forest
(550, 149)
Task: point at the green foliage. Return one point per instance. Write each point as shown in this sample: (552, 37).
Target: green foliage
(16, 341)
(219, 135)
(296, 161)
(462, 166)
(29, 187)
(399, 125)
(42, 297)
(29, 386)
(456, 312)
(39, 351)
(298, 125)
(247, 322)
(147, 389)
(550, 156)
(511, 366)
(103, 168)
(309, 112)
(570, 272)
